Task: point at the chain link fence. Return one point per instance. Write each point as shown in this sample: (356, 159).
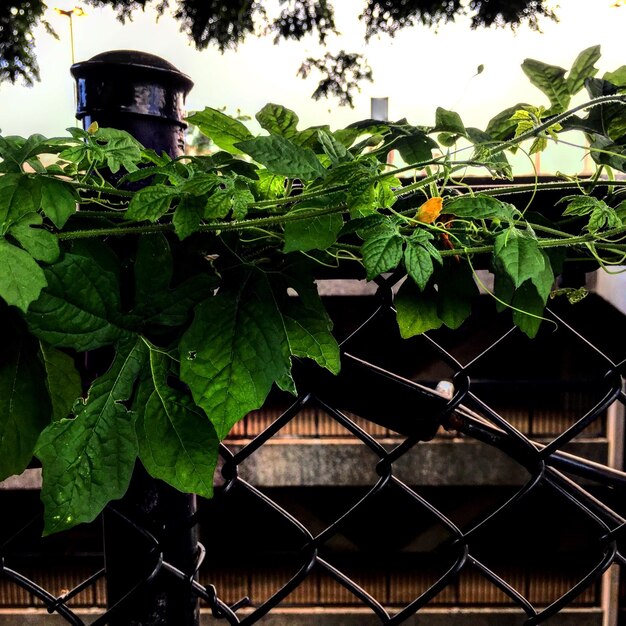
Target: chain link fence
(380, 524)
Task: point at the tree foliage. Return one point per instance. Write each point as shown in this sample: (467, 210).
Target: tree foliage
(227, 23)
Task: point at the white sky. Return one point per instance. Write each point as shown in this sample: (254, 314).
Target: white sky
(418, 70)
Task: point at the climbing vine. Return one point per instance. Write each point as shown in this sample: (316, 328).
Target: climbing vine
(189, 282)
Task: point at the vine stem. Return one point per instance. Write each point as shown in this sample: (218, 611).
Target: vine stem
(211, 227)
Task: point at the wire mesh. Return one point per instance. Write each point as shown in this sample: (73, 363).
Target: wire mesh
(388, 408)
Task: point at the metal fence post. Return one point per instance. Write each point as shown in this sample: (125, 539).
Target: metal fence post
(143, 95)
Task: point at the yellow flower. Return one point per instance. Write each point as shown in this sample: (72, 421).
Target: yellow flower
(429, 211)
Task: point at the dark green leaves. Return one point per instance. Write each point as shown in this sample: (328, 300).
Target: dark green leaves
(80, 308)
(88, 461)
(416, 310)
(177, 442)
(150, 203)
(313, 233)
(552, 81)
(239, 344)
(519, 255)
(21, 279)
(24, 404)
(221, 128)
(478, 207)
(382, 251)
(281, 156)
(19, 194)
(58, 201)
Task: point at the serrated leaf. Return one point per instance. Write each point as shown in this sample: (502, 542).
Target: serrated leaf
(334, 149)
(313, 233)
(150, 203)
(177, 442)
(309, 327)
(24, 404)
(80, 308)
(19, 194)
(501, 127)
(269, 186)
(242, 197)
(233, 352)
(88, 461)
(582, 69)
(62, 380)
(519, 254)
(188, 216)
(283, 157)
(121, 149)
(21, 279)
(418, 263)
(603, 217)
(58, 201)
(416, 311)
(38, 242)
(550, 79)
(478, 207)
(278, 120)
(221, 128)
(382, 251)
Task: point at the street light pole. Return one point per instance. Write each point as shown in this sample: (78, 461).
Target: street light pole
(78, 11)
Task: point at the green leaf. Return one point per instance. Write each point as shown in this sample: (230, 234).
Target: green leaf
(177, 442)
(19, 194)
(221, 128)
(62, 380)
(21, 279)
(550, 79)
(58, 200)
(269, 186)
(121, 149)
(617, 78)
(449, 122)
(88, 461)
(38, 242)
(24, 404)
(603, 217)
(309, 327)
(242, 197)
(478, 207)
(281, 156)
(582, 69)
(188, 216)
(501, 127)
(544, 280)
(418, 263)
(80, 308)
(234, 350)
(528, 309)
(278, 120)
(519, 255)
(415, 146)
(313, 233)
(334, 149)
(150, 203)
(456, 291)
(153, 253)
(416, 311)
(382, 251)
